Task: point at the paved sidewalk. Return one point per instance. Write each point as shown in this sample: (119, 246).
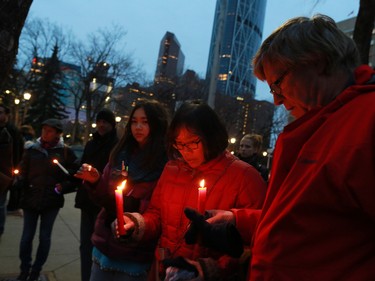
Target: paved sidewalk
(63, 263)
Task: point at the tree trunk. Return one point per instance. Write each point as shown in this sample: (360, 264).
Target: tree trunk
(13, 15)
(363, 28)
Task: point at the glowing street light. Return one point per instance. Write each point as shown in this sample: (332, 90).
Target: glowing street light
(27, 96)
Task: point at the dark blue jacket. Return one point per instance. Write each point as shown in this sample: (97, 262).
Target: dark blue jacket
(39, 176)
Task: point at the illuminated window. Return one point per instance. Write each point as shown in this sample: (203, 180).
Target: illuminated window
(223, 77)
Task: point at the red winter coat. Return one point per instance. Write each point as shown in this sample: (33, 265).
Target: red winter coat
(318, 220)
(230, 183)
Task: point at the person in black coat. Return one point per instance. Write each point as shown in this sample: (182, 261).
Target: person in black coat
(43, 184)
(11, 149)
(250, 149)
(96, 153)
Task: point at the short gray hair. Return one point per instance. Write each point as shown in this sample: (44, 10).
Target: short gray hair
(304, 41)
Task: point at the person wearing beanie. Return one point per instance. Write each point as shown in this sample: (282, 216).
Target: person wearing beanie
(96, 153)
(106, 115)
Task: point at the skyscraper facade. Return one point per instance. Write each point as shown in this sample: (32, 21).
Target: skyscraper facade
(171, 60)
(236, 36)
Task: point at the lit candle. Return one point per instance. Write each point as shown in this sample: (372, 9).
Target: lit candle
(120, 208)
(201, 197)
(60, 166)
(16, 172)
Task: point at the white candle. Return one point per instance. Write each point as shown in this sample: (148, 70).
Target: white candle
(202, 197)
(60, 166)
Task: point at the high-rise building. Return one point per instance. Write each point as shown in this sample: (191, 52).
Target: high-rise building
(236, 36)
(171, 60)
(347, 26)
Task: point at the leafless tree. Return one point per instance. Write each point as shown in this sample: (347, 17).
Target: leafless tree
(104, 65)
(363, 28)
(13, 15)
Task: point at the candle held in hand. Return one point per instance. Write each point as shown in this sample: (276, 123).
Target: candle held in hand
(202, 197)
(60, 166)
(120, 208)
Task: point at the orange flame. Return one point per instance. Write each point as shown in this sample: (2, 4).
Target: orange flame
(122, 185)
(202, 183)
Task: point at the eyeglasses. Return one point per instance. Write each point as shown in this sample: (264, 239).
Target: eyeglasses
(275, 88)
(190, 145)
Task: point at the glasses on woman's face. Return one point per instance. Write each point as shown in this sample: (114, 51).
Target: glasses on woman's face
(189, 145)
(275, 88)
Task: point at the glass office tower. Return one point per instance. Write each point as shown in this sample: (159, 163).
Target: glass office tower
(236, 36)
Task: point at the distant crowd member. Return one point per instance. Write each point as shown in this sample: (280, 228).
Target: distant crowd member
(28, 134)
(139, 157)
(250, 152)
(318, 220)
(44, 184)
(96, 153)
(197, 145)
(11, 149)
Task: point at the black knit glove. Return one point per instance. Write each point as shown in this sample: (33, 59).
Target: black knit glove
(221, 237)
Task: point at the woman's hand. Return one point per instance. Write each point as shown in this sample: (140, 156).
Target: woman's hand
(88, 173)
(220, 216)
(129, 228)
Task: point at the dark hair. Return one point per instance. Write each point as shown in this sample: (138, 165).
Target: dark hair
(6, 109)
(27, 132)
(201, 120)
(157, 117)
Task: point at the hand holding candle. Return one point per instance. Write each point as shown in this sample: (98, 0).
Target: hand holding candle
(202, 197)
(60, 166)
(120, 208)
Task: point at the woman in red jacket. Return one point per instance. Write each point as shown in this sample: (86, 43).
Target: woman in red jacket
(196, 145)
(317, 222)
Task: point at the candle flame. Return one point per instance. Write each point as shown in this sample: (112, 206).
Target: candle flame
(55, 161)
(16, 171)
(202, 183)
(122, 185)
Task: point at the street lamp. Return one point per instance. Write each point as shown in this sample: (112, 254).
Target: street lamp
(26, 97)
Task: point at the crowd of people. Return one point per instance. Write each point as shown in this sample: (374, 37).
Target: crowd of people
(194, 211)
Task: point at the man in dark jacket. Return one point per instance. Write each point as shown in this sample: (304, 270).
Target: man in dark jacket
(96, 153)
(45, 172)
(11, 149)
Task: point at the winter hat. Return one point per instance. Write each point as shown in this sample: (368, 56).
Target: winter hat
(107, 115)
(54, 123)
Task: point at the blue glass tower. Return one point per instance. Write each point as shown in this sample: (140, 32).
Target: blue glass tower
(236, 36)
